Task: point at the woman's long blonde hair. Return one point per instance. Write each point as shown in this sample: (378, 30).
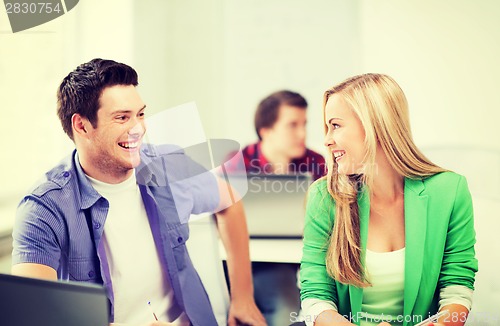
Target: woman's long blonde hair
(382, 108)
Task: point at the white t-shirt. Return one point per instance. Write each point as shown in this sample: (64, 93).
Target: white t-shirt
(384, 299)
(136, 273)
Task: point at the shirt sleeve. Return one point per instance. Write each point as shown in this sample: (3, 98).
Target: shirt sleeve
(194, 188)
(315, 282)
(456, 294)
(459, 263)
(312, 308)
(35, 234)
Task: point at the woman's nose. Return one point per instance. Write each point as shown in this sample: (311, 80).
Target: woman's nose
(329, 139)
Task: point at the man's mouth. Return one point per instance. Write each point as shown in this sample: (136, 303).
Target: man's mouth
(129, 145)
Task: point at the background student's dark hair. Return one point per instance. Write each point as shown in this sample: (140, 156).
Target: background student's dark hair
(268, 109)
(80, 91)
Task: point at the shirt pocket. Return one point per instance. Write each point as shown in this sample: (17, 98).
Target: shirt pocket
(84, 270)
(178, 237)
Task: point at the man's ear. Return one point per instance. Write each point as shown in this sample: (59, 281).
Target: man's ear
(80, 125)
(263, 132)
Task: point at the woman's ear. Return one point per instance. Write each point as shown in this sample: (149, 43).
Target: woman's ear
(80, 125)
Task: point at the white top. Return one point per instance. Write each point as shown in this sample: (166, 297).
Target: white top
(136, 273)
(383, 301)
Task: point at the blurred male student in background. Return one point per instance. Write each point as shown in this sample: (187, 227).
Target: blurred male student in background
(280, 124)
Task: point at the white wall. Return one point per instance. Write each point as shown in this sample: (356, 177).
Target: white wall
(446, 56)
(30, 69)
(305, 46)
(227, 55)
(32, 65)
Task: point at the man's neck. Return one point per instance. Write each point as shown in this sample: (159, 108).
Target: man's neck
(104, 175)
(278, 161)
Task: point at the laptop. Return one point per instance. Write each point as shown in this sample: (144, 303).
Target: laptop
(27, 301)
(275, 205)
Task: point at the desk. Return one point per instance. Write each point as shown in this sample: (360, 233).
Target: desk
(272, 250)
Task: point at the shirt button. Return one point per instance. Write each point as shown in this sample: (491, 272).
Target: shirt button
(179, 239)
(91, 274)
(97, 225)
(65, 174)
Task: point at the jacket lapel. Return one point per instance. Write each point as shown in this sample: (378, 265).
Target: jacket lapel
(415, 211)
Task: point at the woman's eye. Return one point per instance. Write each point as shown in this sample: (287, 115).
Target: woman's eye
(335, 126)
(121, 117)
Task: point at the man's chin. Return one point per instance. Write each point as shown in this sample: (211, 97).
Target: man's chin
(298, 153)
(133, 162)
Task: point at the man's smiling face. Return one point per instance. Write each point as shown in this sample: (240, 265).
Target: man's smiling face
(113, 147)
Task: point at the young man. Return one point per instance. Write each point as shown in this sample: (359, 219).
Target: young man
(115, 212)
(280, 123)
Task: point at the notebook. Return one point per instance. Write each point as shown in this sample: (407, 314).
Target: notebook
(27, 301)
(275, 205)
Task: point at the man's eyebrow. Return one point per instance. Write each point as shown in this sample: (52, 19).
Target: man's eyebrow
(126, 111)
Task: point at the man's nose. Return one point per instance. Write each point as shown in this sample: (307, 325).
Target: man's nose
(138, 128)
(302, 133)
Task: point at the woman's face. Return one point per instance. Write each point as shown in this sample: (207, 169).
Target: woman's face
(345, 136)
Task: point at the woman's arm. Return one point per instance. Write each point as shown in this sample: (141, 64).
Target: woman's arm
(330, 318)
(457, 315)
(316, 285)
(459, 262)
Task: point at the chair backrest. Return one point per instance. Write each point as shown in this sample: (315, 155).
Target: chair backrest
(203, 248)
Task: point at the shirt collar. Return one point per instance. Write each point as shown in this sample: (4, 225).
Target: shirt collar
(89, 196)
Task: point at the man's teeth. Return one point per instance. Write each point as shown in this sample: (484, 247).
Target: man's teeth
(128, 145)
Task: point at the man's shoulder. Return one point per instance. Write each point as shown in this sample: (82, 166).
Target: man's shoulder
(317, 157)
(56, 178)
(250, 150)
(151, 150)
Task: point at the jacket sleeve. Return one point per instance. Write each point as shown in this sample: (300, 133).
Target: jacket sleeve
(459, 263)
(314, 279)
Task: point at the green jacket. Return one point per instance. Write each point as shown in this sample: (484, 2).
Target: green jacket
(439, 237)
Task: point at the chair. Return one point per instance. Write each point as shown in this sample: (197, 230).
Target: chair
(203, 248)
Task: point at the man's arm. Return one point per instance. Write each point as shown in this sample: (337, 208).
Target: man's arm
(233, 231)
(34, 271)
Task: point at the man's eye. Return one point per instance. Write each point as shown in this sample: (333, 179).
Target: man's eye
(121, 117)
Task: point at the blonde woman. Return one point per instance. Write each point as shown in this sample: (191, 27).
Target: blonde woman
(389, 236)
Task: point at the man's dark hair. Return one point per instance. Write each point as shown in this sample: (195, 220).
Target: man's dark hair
(80, 91)
(268, 109)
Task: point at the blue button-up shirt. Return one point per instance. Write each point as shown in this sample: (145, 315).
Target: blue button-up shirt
(57, 221)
